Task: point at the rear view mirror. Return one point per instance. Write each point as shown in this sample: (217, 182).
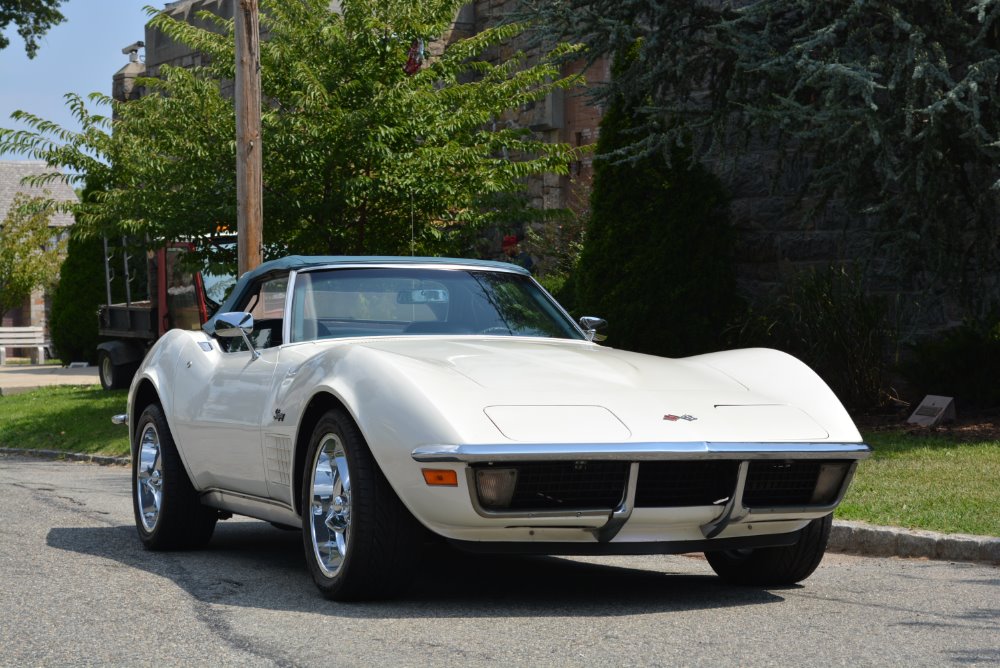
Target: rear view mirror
(591, 325)
(231, 325)
(430, 296)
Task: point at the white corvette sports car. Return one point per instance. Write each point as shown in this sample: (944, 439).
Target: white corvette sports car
(380, 402)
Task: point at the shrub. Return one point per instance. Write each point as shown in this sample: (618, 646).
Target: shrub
(73, 323)
(657, 260)
(963, 362)
(829, 321)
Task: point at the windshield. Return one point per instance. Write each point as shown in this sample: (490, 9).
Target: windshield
(392, 301)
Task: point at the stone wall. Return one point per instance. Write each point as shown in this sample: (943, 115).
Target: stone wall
(781, 235)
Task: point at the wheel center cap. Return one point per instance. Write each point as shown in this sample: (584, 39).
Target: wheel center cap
(340, 514)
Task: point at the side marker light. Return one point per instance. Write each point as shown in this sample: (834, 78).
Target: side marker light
(440, 477)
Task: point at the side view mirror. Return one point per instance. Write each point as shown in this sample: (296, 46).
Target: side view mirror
(591, 325)
(231, 325)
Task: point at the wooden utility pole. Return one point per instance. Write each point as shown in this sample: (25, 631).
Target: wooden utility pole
(249, 191)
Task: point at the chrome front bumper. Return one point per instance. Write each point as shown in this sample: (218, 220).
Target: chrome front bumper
(637, 452)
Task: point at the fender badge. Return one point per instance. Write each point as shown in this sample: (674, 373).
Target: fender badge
(278, 415)
(670, 417)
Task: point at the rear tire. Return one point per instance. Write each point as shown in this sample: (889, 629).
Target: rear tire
(361, 542)
(168, 513)
(783, 565)
(114, 376)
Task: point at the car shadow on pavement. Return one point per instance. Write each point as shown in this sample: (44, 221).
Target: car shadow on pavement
(256, 565)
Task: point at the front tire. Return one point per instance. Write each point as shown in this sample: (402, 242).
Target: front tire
(783, 565)
(168, 513)
(360, 540)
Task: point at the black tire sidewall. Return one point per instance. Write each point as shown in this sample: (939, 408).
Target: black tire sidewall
(779, 566)
(182, 523)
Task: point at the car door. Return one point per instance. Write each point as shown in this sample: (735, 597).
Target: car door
(220, 424)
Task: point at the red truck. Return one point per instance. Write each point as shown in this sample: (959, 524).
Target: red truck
(176, 296)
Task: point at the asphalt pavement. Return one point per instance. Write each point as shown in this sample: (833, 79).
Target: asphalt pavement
(76, 588)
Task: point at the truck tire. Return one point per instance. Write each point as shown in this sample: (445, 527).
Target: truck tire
(114, 376)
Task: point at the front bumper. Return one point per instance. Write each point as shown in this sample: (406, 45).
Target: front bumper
(638, 451)
(751, 488)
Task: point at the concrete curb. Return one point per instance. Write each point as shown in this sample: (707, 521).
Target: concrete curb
(877, 541)
(849, 537)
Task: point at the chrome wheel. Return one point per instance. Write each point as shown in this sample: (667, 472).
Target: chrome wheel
(330, 526)
(149, 478)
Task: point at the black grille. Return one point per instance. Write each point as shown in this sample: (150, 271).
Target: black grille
(575, 485)
(566, 485)
(665, 484)
(780, 483)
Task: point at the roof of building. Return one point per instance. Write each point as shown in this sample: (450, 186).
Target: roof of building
(12, 173)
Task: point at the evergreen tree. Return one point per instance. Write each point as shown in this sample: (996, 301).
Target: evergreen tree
(76, 298)
(892, 102)
(657, 262)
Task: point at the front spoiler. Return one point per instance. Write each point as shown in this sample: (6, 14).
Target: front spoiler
(627, 548)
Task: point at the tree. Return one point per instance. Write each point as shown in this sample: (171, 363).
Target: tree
(360, 156)
(28, 258)
(33, 19)
(891, 102)
(657, 261)
(81, 290)
(76, 298)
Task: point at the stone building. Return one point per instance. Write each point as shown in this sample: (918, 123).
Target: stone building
(34, 312)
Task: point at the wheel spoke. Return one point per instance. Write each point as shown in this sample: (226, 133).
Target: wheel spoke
(342, 472)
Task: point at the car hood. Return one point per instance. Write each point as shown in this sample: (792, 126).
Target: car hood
(535, 390)
(539, 366)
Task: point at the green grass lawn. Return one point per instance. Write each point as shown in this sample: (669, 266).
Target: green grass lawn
(68, 417)
(917, 481)
(927, 482)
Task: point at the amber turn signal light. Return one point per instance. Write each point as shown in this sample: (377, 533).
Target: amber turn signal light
(440, 477)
